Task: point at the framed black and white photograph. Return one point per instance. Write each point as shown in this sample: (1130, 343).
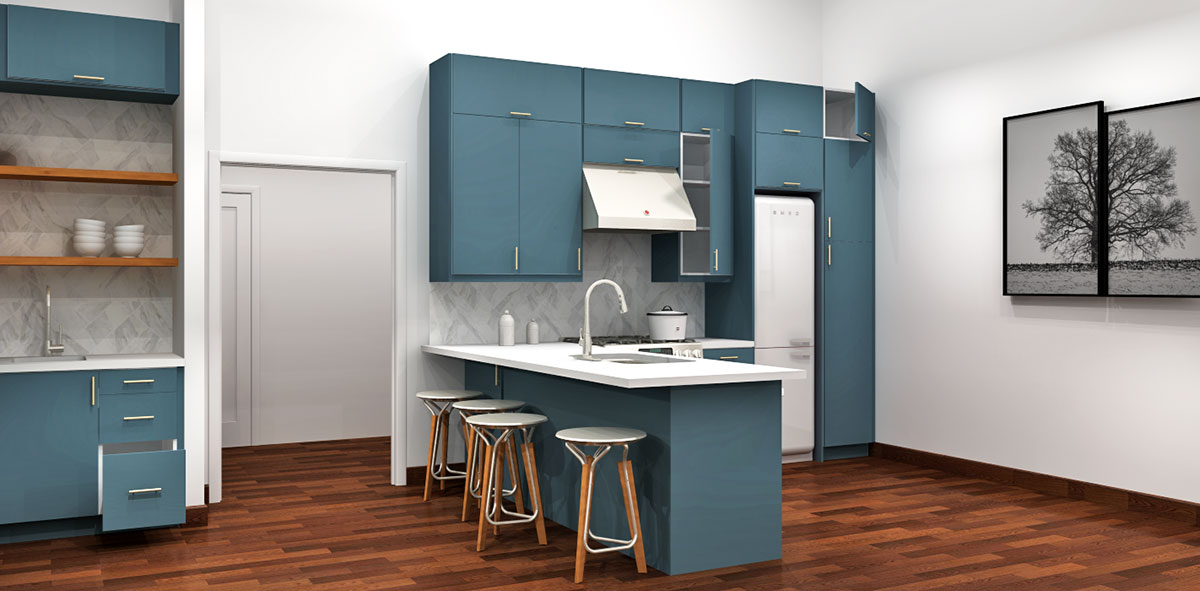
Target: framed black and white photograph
(1153, 199)
(1054, 198)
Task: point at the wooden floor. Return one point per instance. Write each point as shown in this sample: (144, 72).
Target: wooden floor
(322, 516)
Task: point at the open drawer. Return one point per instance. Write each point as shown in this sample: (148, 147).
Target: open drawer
(141, 490)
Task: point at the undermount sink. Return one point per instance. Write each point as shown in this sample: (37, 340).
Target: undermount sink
(632, 358)
(40, 358)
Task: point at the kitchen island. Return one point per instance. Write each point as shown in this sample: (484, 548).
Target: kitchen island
(708, 474)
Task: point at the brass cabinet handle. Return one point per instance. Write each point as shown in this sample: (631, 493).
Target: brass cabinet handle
(867, 133)
(791, 131)
(96, 78)
(516, 258)
(93, 390)
(140, 418)
(831, 227)
(635, 160)
(730, 357)
(716, 259)
(579, 259)
(142, 491)
(520, 114)
(791, 184)
(496, 378)
(705, 129)
(139, 381)
(829, 260)
(638, 123)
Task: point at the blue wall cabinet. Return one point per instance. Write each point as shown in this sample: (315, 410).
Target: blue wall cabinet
(486, 204)
(143, 490)
(551, 236)
(847, 349)
(792, 109)
(706, 106)
(642, 147)
(508, 88)
(630, 100)
(739, 355)
(49, 468)
(787, 162)
(89, 55)
(849, 199)
(864, 112)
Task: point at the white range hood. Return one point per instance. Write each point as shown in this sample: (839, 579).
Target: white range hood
(644, 198)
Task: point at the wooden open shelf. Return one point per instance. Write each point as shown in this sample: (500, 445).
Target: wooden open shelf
(85, 262)
(83, 175)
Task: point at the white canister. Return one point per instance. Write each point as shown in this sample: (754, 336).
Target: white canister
(508, 330)
(667, 324)
(531, 333)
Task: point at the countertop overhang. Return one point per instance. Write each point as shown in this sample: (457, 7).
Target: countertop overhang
(555, 359)
(97, 363)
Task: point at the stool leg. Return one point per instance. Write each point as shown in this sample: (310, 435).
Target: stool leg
(433, 425)
(486, 493)
(470, 442)
(498, 453)
(581, 537)
(631, 511)
(514, 472)
(445, 433)
(535, 490)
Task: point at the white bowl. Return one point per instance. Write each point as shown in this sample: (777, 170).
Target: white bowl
(129, 239)
(78, 238)
(88, 250)
(137, 236)
(89, 234)
(127, 250)
(130, 228)
(87, 222)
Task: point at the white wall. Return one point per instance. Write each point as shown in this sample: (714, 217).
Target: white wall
(350, 80)
(1099, 390)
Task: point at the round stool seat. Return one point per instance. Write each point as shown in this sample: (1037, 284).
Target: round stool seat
(600, 435)
(504, 420)
(488, 405)
(444, 395)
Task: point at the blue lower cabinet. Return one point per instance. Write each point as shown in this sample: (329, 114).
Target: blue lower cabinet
(737, 355)
(151, 416)
(614, 145)
(143, 490)
(483, 377)
(133, 381)
(788, 162)
(848, 353)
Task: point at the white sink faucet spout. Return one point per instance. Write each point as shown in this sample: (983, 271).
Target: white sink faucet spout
(585, 337)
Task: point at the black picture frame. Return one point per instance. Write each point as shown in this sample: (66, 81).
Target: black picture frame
(1115, 285)
(1027, 278)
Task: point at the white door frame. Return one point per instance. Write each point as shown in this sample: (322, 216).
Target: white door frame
(251, 193)
(398, 172)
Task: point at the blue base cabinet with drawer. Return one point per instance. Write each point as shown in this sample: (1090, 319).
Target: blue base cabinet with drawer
(100, 451)
(739, 355)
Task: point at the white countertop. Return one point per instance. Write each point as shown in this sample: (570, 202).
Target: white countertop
(555, 359)
(708, 343)
(97, 363)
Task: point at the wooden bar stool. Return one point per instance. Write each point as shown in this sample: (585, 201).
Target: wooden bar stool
(497, 431)
(472, 490)
(438, 402)
(604, 439)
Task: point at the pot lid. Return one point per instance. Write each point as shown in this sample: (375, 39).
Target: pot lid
(666, 311)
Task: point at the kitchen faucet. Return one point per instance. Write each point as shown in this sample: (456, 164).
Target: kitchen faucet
(585, 337)
(50, 347)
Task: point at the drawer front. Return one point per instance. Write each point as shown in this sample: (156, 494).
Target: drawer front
(507, 88)
(143, 416)
(143, 490)
(614, 145)
(737, 355)
(788, 162)
(630, 100)
(125, 381)
(794, 109)
(707, 107)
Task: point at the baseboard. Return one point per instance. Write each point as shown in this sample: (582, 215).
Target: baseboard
(196, 516)
(1184, 511)
(415, 475)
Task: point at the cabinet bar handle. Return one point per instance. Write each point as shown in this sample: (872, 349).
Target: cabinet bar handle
(139, 381)
(829, 255)
(791, 131)
(516, 258)
(639, 123)
(141, 418)
(831, 227)
(791, 184)
(867, 133)
(82, 77)
(93, 390)
(730, 357)
(579, 259)
(496, 378)
(520, 114)
(716, 259)
(142, 491)
(635, 160)
(705, 129)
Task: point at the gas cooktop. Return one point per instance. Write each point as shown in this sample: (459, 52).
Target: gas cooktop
(626, 340)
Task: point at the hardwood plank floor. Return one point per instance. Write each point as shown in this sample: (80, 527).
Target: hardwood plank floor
(322, 516)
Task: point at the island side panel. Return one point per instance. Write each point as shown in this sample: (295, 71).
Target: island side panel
(726, 476)
(571, 403)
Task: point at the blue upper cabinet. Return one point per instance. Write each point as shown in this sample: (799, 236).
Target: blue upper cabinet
(793, 109)
(486, 203)
(644, 147)
(864, 112)
(706, 106)
(507, 88)
(630, 100)
(89, 55)
(551, 183)
(849, 199)
(788, 162)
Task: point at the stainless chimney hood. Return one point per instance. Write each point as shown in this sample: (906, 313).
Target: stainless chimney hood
(645, 198)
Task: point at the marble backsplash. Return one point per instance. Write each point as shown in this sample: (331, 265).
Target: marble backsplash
(469, 313)
(100, 310)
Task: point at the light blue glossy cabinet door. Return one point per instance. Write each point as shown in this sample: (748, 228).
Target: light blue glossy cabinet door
(787, 162)
(48, 433)
(706, 106)
(485, 184)
(848, 353)
(849, 198)
(507, 88)
(794, 109)
(864, 112)
(551, 189)
(630, 100)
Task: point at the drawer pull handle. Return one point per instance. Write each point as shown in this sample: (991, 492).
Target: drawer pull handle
(730, 357)
(139, 381)
(141, 418)
(93, 390)
(638, 123)
(520, 114)
(705, 129)
(867, 133)
(635, 160)
(142, 491)
(791, 131)
(96, 78)
(791, 184)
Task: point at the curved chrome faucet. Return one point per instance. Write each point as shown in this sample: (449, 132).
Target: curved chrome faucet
(585, 338)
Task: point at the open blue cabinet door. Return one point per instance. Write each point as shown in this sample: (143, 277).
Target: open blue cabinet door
(864, 112)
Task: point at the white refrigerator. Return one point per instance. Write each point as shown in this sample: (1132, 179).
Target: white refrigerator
(784, 308)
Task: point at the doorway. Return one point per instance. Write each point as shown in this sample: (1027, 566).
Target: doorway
(237, 356)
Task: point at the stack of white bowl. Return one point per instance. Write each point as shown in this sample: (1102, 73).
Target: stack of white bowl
(89, 237)
(128, 241)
